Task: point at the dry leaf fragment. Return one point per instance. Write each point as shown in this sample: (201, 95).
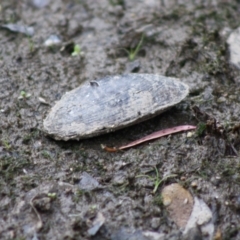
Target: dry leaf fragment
(159, 134)
(178, 202)
(152, 136)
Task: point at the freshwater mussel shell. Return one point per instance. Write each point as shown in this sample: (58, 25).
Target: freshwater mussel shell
(112, 103)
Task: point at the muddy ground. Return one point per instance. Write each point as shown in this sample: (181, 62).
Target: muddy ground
(41, 196)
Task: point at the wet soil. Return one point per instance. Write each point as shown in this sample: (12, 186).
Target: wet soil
(42, 192)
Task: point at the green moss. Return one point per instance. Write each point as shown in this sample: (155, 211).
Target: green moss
(10, 167)
(201, 127)
(176, 13)
(116, 2)
(6, 144)
(46, 154)
(158, 200)
(30, 136)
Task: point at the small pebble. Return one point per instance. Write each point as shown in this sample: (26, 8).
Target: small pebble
(88, 182)
(221, 100)
(218, 235)
(119, 178)
(148, 199)
(234, 47)
(190, 134)
(194, 184)
(40, 3)
(52, 40)
(42, 100)
(155, 223)
(29, 31)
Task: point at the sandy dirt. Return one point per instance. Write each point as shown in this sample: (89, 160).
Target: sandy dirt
(74, 190)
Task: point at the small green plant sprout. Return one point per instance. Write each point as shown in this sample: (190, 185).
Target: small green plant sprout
(30, 44)
(6, 144)
(93, 207)
(133, 52)
(157, 179)
(201, 127)
(76, 50)
(24, 95)
(46, 154)
(52, 195)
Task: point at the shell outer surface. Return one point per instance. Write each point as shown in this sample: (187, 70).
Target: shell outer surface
(112, 103)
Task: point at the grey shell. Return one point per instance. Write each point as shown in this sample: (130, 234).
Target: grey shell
(112, 103)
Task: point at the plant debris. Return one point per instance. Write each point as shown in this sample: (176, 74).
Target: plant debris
(226, 139)
(152, 136)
